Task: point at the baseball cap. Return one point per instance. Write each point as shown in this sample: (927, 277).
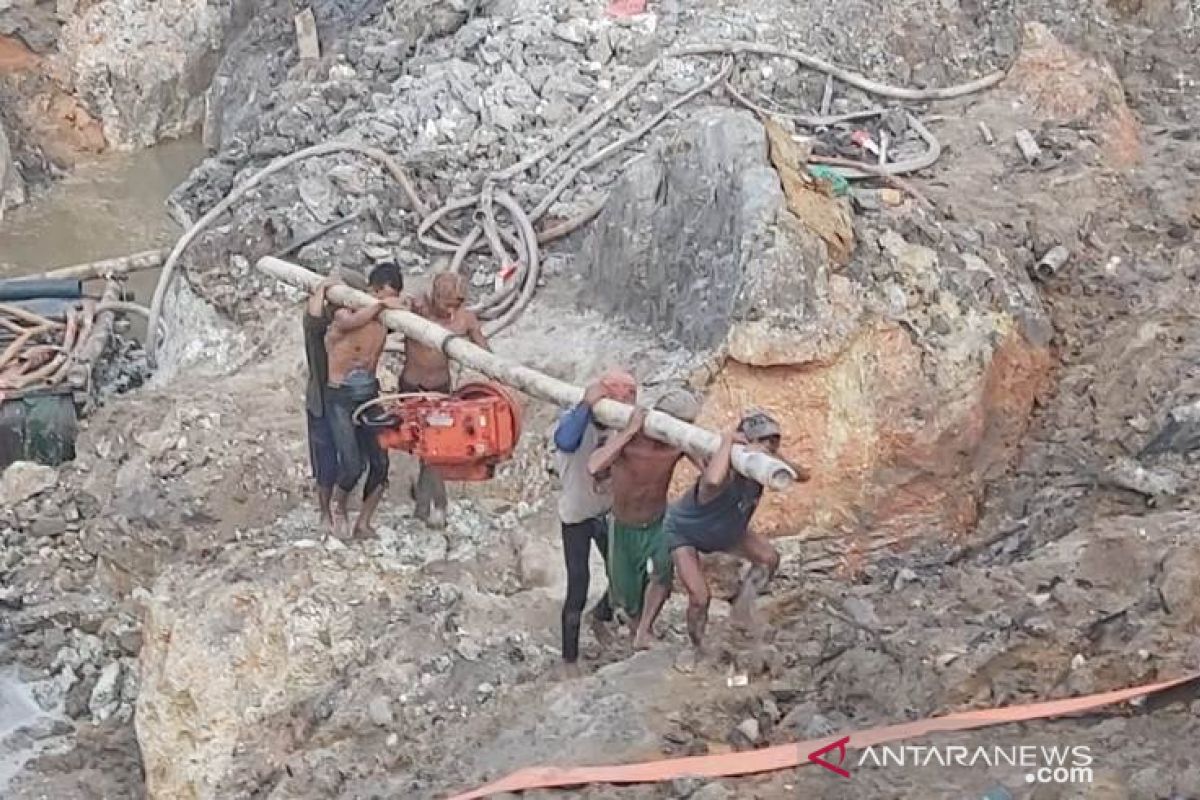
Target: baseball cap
(757, 425)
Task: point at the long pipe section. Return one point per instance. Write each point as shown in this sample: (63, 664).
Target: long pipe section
(761, 467)
(147, 259)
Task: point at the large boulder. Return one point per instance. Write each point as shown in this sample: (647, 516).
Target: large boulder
(902, 379)
(270, 666)
(34, 22)
(144, 68)
(1065, 87)
(225, 660)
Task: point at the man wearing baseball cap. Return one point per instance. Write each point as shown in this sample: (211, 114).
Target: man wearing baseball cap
(714, 516)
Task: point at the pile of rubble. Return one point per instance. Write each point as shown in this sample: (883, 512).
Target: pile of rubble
(461, 92)
(176, 569)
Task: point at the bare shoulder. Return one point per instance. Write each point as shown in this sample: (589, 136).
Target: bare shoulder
(466, 319)
(341, 315)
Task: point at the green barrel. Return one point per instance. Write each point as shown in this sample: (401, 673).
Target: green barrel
(38, 427)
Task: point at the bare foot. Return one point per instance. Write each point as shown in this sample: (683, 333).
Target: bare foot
(568, 671)
(601, 632)
(341, 524)
(642, 640)
(687, 661)
(326, 519)
(363, 530)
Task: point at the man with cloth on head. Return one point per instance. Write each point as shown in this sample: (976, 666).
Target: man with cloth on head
(584, 504)
(427, 369)
(639, 564)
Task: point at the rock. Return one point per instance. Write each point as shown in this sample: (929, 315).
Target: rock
(225, 649)
(469, 650)
(685, 787)
(822, 214)
(660, 253)
(538, 565)
(817, 726)
(317, 193)
(1180, 586)
(349, 178)
(48, 525)
(143, 68)
(574, 31)
(106, 695)
(1067, 88)
(78, 697)
(901, 423)
(12, 185)
(380, 711)
(749, 728)
(1126, 473)
(904, 577)
(713, 791)
(862, 612)
(1179, 434)
(23, 480)
(412, 547)
(36, 22)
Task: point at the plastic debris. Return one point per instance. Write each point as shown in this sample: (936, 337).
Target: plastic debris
(626, 8)
(1028, 146)
(840, 185)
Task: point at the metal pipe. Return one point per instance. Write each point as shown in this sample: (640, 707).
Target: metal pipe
(763, 468)
(137, 262)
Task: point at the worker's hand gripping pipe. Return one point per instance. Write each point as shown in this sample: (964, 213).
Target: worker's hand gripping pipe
(765, 469)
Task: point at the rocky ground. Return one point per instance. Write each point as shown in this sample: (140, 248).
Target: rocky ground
(1004, 508)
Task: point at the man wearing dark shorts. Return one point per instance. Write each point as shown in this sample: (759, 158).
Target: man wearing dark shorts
(353, 344)
(714, 516)
(322, 452)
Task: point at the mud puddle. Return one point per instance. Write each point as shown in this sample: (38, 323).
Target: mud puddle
(112, 206)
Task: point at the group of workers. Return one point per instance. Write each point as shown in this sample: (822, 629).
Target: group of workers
(343, 347)
(614, 495)
(615, 484)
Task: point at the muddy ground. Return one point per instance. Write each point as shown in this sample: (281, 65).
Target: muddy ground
(189, 632)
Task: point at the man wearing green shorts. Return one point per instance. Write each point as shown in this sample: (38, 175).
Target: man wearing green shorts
(639, 563)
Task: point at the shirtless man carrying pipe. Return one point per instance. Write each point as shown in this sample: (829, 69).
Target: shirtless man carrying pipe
(322, 452)
(640, 570)
(714, 516)
(354, 344)
(427, 369)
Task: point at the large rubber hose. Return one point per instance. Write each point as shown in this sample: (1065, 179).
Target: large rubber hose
(328, 148)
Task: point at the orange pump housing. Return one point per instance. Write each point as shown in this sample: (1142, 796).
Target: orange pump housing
(463, 435)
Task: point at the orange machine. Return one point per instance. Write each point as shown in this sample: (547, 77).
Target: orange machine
(463, 435)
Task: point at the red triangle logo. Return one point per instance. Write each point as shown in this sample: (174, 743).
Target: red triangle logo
(840, 746)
